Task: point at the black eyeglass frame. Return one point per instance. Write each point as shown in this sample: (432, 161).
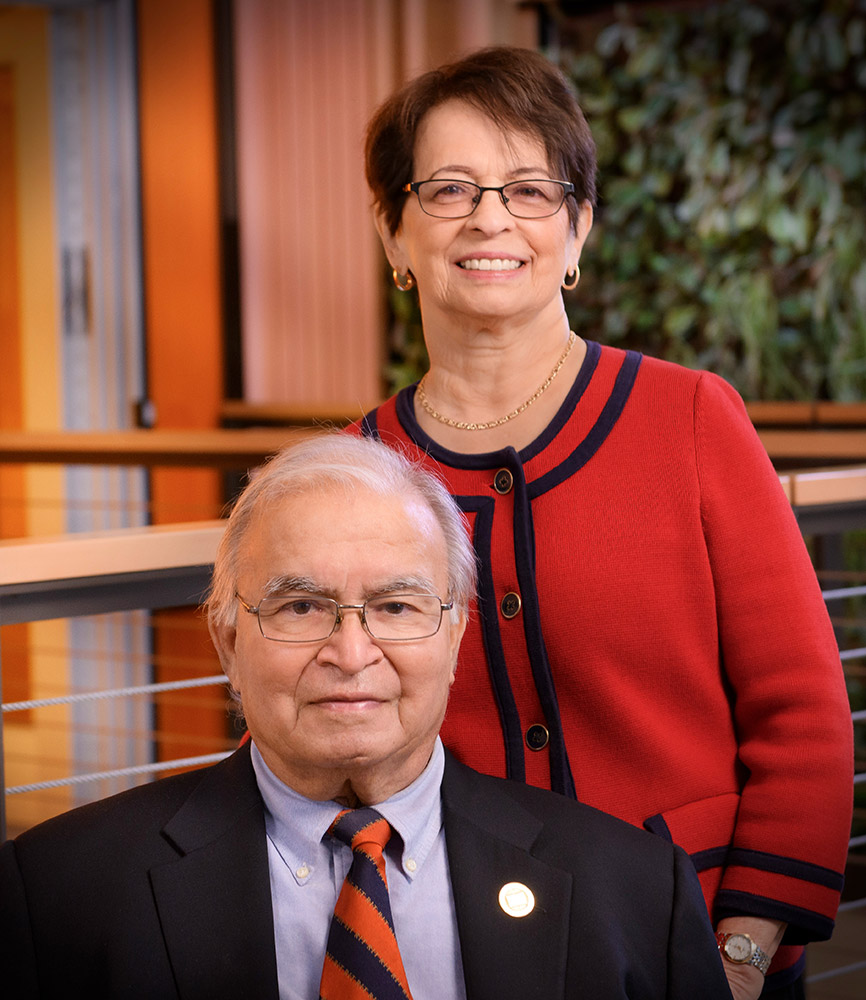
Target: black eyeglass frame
(338, 617)
(414, 188)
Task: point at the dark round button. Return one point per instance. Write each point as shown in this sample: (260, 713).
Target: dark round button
(503, 481)
(510, 605)
(537, 737)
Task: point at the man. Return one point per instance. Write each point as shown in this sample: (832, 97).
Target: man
(340, 596)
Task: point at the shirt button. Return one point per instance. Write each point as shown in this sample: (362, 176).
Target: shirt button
(537, 737)
(411, 864)
(510, 605)
(503, 481)
(303, 871)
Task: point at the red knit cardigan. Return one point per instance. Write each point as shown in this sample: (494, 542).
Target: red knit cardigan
(650, 636)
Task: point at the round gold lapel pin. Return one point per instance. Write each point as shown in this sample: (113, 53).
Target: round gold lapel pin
(516, 899)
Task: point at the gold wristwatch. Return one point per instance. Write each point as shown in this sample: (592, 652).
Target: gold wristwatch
(742, 950)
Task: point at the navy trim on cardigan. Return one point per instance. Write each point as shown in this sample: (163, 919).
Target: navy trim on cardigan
(710, 857)
(599, 431)
(657, 825)
(488, 608)
(561, 778)
(735, 903)
(569, 405)
(802, 870)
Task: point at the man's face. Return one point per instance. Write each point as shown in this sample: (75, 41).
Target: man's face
(349, 708)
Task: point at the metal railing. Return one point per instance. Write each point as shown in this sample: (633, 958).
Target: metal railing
(131, 569)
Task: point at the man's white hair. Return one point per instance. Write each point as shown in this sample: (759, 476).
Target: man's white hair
(331, 460)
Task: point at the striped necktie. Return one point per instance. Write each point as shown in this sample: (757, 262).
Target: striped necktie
(362, 958)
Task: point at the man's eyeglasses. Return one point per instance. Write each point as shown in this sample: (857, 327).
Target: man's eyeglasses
(310, 618)
(445, 198)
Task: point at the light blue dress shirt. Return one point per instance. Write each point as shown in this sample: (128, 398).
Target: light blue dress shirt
(307, 874)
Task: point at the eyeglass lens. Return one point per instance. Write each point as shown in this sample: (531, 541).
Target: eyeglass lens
(307, 619)
(453, 199)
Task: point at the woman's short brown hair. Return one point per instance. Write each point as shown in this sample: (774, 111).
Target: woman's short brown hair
(518, 89)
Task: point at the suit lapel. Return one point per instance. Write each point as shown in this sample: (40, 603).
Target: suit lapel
(214, 901)
(490, 840)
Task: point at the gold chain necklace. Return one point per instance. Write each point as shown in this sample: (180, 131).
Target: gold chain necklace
(461, 425)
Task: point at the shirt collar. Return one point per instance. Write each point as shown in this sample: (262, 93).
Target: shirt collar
(297, 825)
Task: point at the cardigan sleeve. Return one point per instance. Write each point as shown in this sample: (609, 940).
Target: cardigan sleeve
(781, 664)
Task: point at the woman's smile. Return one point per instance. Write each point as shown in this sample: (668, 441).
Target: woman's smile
(485, 263)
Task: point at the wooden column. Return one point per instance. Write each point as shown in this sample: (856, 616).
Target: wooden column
(182, 318)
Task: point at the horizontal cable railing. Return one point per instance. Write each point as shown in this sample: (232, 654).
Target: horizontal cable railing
(121, 772)
(88, 575)
(71, 699)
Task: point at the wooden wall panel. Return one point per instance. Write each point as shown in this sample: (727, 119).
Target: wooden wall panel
(13, 515)
(180, 222)
(181, 238)
(308, 73)
(32, 498)
(13, 520)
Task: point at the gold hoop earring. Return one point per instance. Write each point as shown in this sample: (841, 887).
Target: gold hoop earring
(573, 284)
(405, 283)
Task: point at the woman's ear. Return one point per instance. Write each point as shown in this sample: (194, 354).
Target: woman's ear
(392, 244)
(584, 224)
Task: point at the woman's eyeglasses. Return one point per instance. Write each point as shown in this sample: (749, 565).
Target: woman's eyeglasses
(445, 198)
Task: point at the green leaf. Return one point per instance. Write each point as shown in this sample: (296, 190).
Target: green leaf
(680, 319)
(632, 119)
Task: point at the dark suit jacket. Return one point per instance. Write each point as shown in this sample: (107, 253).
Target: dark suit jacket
(164, 892)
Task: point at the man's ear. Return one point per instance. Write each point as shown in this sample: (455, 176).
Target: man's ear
(392, 244)
(224, 638)
(457, 630)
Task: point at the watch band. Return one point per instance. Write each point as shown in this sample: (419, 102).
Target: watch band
(740, 949)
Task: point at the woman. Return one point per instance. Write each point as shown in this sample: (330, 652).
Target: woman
(650, 636)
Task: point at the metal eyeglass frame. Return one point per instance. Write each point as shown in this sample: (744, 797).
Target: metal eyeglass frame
(414, 188)
(338, 617)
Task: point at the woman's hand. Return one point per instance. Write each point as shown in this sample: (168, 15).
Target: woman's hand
(747, 982)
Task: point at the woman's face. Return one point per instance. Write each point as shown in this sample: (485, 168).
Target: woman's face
(531, 256)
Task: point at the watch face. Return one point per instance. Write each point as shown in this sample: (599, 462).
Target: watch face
(738, 948)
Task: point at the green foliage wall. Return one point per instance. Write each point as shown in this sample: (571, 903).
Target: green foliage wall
(731, 231)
